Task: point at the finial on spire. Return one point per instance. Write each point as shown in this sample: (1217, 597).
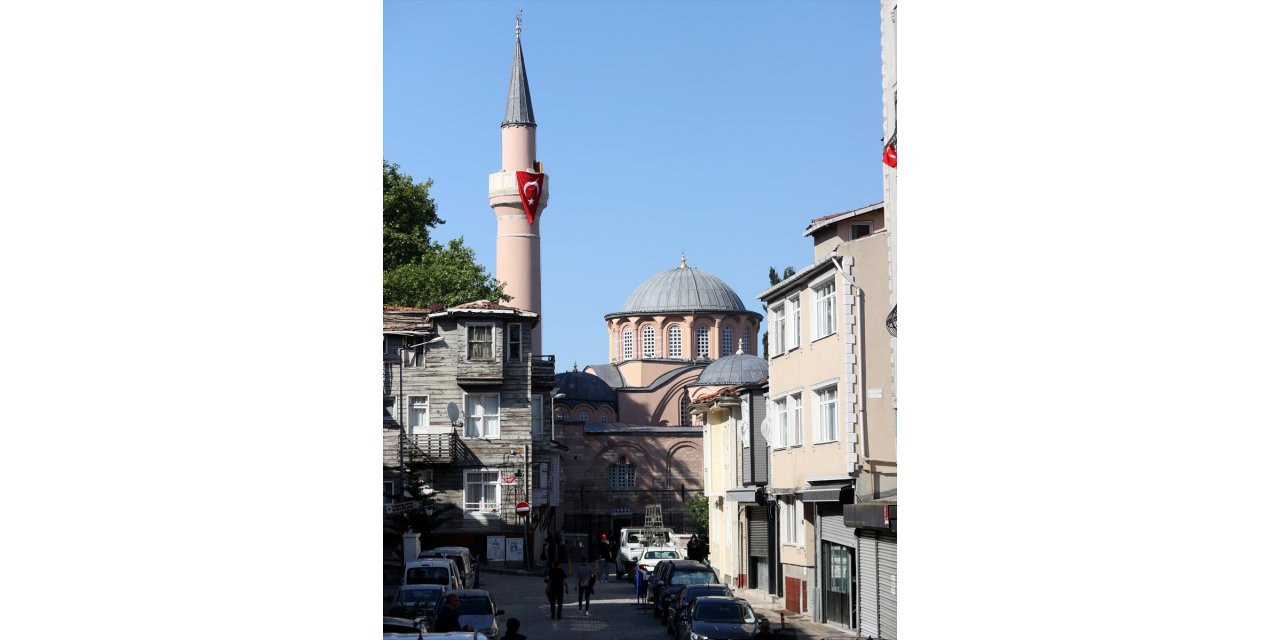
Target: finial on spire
(575, 365)
(740, 341)
(519, 14)
(682, 264)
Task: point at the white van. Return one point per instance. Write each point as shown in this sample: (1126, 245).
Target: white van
(433, 571)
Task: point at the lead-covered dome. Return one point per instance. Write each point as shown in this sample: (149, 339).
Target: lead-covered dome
(580, 386)
(682, 289)
(740, 368)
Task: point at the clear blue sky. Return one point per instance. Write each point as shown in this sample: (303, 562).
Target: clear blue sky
(714, 128)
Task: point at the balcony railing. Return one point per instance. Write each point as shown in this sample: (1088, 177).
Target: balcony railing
(430, 448)
(542, 371)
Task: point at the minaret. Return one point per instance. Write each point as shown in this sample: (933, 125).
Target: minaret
(519, 253)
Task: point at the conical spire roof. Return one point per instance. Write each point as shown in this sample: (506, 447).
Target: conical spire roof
(519, 104)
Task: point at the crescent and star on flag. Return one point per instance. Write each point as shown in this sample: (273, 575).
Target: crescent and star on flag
(530, 186)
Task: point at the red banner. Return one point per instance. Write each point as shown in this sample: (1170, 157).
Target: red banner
(530, 185)
(891, 151)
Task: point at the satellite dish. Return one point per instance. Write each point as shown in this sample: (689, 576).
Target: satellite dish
(766, 430)
(744, 432)
(453, 412)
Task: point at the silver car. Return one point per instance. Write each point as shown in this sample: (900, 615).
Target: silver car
(475, 610)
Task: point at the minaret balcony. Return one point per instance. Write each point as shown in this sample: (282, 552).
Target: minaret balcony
(503, 189)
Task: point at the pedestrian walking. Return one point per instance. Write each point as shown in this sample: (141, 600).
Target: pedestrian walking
(557, 586)
(586, 575)
(513, 630)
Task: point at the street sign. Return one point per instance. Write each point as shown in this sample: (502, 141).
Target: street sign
(401, 507)
(522, 509)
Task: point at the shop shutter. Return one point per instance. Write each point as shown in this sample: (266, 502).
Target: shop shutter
(759, 450)
(887, 565)
(833, 529)
(868, 586)
(758, 532)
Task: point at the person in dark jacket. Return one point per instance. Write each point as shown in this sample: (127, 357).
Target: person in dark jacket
(513, 630)
(448, 618)
(557, 586)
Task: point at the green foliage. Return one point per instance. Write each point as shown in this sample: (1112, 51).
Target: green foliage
(444, 274)
(416, 270)
(697, 505)
(426, 519)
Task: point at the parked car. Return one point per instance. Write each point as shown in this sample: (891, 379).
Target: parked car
(718, 618)
(679, 599)
(465, 561)
(433, 571)
(391, 624)
(672, 573)
(651, 555)
(417, 601)
(475, 608)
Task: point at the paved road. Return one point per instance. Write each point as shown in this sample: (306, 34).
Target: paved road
(614, 612)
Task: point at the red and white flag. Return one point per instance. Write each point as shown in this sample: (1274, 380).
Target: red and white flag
(891, 151)
(530, 185)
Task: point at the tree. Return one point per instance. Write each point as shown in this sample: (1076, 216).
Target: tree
(429, 516)
(416, 270)
(697, 505)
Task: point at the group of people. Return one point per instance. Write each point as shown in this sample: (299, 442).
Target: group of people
(697, 549)
(448, 620)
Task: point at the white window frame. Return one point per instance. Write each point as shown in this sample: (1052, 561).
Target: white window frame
(515, 342)
(795, 404)
(824, 411)
(702, 342)
(492, 336)
(413, 405)
(649, 341)
(824, 309)
(628, 344)
(480, 478)
(535, 415)
(726, 342)
(482, 425)
(780, 427)
(675, 341)
(793, 310)
(604, 416)
(778, 330)
(792, 523)
(584, 415)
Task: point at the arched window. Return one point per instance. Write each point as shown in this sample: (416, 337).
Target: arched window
(604, 416)
(649, 341)
(628, 344)
(674, 346)
(582, 415)
(726, 342)
(622, 475)
(702, 341)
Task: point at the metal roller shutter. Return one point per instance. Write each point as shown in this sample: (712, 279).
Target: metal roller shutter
(868, 586)
(887, 564)
(833, 529)
(758, 535)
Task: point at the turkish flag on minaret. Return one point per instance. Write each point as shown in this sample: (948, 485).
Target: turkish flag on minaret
(530, 185)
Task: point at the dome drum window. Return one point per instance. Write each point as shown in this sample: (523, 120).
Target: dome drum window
(675, 345)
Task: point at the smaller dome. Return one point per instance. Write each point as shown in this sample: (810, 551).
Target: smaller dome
(739, 368)
(580, 386)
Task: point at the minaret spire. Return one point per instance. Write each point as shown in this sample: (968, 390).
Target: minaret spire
(519, 104)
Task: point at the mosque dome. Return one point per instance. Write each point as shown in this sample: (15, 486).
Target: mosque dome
(683, 289)
(739, 368)
(580, 386)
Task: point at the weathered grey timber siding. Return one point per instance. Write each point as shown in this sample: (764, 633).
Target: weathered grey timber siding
(443, 374)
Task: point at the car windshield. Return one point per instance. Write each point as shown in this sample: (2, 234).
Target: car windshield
(661, 555)
(693, 592)
(415, 597)
(427, 575)
(694, 577)
(721, 611)
(475, 606)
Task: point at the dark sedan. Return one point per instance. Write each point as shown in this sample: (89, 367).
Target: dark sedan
(684, 595)
(670, 574)
(718, 618)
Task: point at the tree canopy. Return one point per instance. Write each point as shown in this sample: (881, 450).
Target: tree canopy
(416, 270)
